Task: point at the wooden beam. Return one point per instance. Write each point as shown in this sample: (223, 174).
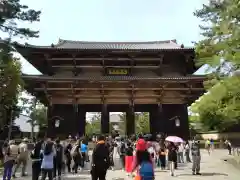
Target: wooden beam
(100, 67)
(119, 89)
(99, 96)
(107, 59)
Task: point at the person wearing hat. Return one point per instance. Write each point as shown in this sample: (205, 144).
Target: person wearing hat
(22, 158)
(143, 161)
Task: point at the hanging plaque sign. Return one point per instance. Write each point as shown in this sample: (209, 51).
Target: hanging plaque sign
(117, 71)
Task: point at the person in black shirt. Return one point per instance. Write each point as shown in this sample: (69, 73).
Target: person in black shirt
(67, 153)
(100, 160)
(58, 159)
(36, 159)
(172, 157)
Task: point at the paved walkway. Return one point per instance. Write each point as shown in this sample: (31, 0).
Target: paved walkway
(213, 167)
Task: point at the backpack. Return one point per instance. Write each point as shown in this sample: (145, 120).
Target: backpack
(74, 150)
(122, 149)
(146, 171)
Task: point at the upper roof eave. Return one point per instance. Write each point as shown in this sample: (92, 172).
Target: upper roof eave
(107, 46)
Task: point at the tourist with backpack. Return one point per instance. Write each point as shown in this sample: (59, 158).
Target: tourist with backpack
(22, 157)
(76, 156)
(143, 162)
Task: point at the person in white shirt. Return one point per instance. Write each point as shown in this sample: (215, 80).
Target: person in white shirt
(14, 149)
(180, 153)
(22, 158)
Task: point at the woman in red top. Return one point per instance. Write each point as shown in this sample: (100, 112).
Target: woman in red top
(141, 151)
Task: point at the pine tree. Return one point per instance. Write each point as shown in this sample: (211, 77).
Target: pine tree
(220, 48)
(11, 13)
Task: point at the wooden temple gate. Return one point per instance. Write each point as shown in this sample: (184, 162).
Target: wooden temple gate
(80, 77)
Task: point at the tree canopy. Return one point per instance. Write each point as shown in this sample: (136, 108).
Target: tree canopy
(221, 32)
(12, 13)
(220, 107)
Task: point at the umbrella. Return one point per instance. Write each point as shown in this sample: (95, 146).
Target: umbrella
(174, 139)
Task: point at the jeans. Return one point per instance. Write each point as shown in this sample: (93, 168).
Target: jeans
(7, 173)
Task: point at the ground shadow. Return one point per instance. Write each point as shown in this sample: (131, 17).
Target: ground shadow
(160, 170)
(206, 174)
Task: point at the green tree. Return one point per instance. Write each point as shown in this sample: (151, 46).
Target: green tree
(10, 86)
(221, 32)
(11, 13)
(94, 125)
(219, 108)
(142, 122)
(38, 117)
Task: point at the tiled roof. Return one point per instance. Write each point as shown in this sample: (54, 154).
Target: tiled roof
(111, 78)
(82, 45)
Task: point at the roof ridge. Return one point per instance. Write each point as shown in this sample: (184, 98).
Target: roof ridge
(62, 41)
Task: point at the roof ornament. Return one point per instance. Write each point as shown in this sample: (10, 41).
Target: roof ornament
(182, 45)
(52, 45)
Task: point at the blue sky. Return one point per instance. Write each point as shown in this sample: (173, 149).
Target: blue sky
(114, 20)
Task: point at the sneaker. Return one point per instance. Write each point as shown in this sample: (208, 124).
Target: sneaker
(198, 173)
(193, 173)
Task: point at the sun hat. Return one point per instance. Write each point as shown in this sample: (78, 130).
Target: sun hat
(141, 145)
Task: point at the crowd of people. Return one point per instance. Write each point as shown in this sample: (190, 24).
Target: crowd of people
(134, 154)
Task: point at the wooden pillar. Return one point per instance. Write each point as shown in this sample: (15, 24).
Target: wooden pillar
(51, 123)
(184, 123)
(104, 119)
(81, 120)
(130, 121)
(152, 121)
(159, 121)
